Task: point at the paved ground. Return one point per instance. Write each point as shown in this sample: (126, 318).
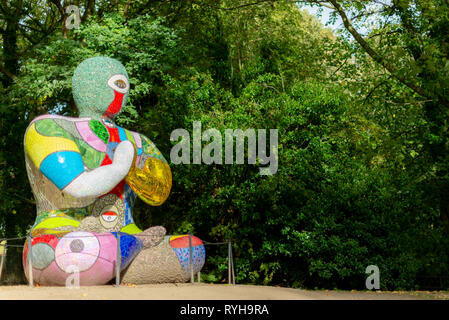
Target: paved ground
(201, 292)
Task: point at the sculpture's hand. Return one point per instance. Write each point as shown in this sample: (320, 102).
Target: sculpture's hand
(103, 179)
(152, 183)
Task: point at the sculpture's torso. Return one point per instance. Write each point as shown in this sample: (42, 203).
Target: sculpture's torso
(96, 141)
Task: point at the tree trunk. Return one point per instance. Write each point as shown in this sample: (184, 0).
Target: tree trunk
(10, 50)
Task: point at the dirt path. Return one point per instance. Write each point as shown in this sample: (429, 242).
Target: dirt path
(200, 292)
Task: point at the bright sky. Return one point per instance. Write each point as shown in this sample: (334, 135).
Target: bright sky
(338, 25)
(324, 18)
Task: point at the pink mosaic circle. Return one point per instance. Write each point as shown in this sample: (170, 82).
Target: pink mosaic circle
(79, 249)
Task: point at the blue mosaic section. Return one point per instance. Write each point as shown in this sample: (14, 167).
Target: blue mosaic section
(129, 196)
(130, 246)
(110, 148)
(122, 134)
(123, 137)
(62, 167)
(198, 254)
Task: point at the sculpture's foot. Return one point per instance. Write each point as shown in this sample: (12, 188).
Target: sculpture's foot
(151, 236)
(168, 262)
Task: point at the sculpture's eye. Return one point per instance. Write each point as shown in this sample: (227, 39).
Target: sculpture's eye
(120, 83)
(109, 217)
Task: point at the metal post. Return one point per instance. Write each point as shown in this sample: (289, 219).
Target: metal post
(232, 263)
(229, 261)
(199, 276)
(192, 277)
(30, 266)
(3, 259)
(118, 262)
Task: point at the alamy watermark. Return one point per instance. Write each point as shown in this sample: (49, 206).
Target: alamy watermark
(74, 19)
(73, 280)
(212, 153)
(373, 281)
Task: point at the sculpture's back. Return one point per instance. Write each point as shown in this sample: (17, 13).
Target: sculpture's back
(85, 174)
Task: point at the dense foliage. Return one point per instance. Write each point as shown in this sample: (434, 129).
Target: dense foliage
(362, 117)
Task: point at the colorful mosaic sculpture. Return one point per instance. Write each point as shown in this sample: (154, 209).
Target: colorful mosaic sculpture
(85, 174)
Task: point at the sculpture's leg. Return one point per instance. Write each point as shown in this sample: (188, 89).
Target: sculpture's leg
(91, 255)
(167, 262)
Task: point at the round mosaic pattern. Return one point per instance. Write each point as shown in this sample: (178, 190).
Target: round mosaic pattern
(42, 254)
(77, 245)
(80, 249)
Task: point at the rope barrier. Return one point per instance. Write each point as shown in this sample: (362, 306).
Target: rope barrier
(213, 243)
(9, 239)
(100, 235)
(12, 245)
(29, 237)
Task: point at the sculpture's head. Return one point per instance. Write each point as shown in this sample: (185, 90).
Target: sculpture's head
(100, 87)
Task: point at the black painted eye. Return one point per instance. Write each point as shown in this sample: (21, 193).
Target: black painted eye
(120, 83)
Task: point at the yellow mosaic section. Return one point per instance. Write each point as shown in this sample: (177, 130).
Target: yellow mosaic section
(131, 229)
(152, 183)
(176, 237)
(39, 146)
(56, 222)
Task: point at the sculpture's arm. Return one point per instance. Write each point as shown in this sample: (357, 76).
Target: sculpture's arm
(58, 158)
(103, 179)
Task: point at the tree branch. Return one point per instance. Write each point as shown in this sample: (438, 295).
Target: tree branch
(8, 73)
(90, 7)
(246, 5)
(321, 3)
(59, 6)
(379, 59)
(125, 10)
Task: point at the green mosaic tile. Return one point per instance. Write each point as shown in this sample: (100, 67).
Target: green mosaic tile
(98, 128)
(149, 148)
(91, 157)
(48, 127)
